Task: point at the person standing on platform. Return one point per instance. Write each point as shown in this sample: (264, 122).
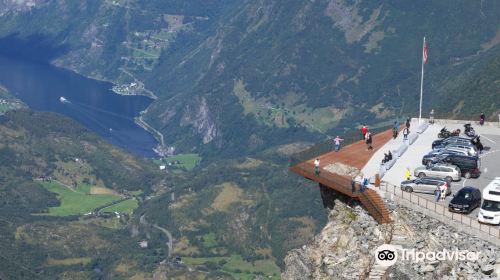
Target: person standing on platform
(364, 130)
(481, 119)
(369, 141)
(316, 166)
(444, 188)
(408, 174)
(406, 131)
(395, 128)
(365, 183)
(408, 123)
(431, 117)
(337, 141)
(437, 193)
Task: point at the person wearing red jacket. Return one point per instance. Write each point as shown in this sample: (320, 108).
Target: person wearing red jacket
(364, 130)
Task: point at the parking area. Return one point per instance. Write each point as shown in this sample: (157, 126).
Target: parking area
(489, 159)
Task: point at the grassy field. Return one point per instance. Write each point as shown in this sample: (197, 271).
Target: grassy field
(70, 261)
(187, 161)
(127, 206)
(209, 240)
(76, 202)
(238, 267)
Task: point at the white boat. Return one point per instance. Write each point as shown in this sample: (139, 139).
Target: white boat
(63, 100)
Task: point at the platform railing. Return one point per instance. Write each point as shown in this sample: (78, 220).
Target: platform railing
(343, 185)
(429, 205)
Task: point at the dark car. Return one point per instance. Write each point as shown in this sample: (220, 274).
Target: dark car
(433, 155)
(465, 200)
(441, 143)
(469, 166)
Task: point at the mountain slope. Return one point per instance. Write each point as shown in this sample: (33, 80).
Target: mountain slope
(233, 74)
(318, 66)
(37, 242)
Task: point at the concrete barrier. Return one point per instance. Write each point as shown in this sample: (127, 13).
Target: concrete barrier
(402, 149)
(390, 163)
(382, 170)
(422, 127)
(412, 138)
(395, 154)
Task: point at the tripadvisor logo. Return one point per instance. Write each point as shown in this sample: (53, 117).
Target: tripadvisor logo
(387, 255)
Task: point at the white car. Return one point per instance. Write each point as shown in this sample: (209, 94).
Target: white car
(490, 209)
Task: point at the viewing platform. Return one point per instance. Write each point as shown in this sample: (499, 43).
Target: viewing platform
(354, 161)
(352, 156)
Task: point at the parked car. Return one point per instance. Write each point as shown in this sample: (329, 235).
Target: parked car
(459, 151)
(424, 185)
(433, 155)
(470, 148)
(465, 200)
(490, 210)
(469, 166)
(441, 143)
(446, 171)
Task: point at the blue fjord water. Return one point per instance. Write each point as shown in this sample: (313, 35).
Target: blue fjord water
(90, 102)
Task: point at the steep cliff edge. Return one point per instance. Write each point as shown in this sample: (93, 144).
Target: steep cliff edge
(345, 248)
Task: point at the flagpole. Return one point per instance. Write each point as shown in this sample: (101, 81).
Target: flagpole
(421, 85)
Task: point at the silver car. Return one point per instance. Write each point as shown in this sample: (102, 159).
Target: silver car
(446, 171)
(424, 185)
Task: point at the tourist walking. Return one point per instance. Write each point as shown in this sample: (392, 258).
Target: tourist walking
(406, 131)
(408, 174)
(444, 188)
(408, 123)
(316, 166)
(431, 117)
(337, 141)
(481, 119)
(364, 130)
(368, 139)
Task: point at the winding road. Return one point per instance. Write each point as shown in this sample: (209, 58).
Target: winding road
(169, 243)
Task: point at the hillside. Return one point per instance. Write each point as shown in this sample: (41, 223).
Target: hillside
(233, 74)
(248, 208)
(474, 87)
(242, 84)
(318, 66)
(238, 223)
(52, 171)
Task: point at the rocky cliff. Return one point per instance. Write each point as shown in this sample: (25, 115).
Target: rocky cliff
(345, 248)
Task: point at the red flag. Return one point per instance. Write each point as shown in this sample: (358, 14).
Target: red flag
(424, 54)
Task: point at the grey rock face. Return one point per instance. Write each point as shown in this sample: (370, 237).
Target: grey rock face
(345, 248)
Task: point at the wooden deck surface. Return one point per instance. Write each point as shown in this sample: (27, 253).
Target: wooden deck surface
(355, 154)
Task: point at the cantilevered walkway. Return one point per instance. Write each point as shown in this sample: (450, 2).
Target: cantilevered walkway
(354, 155)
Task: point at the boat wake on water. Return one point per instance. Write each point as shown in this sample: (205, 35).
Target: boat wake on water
(63, 99)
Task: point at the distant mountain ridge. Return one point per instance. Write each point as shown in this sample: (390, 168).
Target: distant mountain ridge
(238, 74)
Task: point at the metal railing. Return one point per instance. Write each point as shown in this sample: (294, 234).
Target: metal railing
(440, 210)
(341, 184)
